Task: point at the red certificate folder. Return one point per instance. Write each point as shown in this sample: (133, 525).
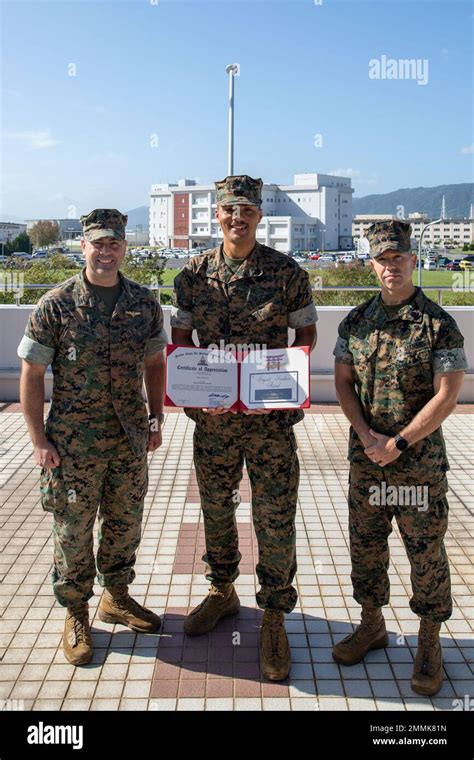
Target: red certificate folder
(269, 379)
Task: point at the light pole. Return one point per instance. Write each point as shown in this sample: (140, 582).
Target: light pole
(323, 233)
(233, 70)
(437, 221)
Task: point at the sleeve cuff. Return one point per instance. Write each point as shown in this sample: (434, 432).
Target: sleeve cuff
(181, 319)
(35, 352)
(303, 317)
(156, 344)
(342, 353)
(449, 360)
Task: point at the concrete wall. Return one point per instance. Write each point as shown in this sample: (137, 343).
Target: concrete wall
(13, 320)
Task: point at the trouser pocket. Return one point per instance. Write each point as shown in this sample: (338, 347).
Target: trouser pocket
(53, 492)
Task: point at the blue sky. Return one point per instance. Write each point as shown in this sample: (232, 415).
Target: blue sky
(146, 68)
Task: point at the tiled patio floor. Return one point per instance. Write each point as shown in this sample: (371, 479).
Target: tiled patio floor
(220, 671)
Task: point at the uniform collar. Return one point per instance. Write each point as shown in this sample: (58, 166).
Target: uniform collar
(251, 266)
(411, 312)
(84, 295)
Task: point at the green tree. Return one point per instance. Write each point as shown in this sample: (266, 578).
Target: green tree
(21, 243)
(148, 272)
(44, 233)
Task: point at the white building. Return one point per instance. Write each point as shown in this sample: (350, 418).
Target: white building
(314, 212)
(10, 230)
(457, 231)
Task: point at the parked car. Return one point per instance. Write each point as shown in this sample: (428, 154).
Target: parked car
(467, 262)
(22, 255)
(39, 255)
(314, 256)
(327, 257)
(429, 264)
(443, 261)
(453, 266)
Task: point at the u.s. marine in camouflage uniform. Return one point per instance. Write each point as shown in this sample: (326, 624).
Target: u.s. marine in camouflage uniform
(243, 293)
(102, 334)
(399, 367)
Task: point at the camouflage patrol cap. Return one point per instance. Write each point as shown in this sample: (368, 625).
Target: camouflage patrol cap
(239, 189)
(104, 222)
(390, 235)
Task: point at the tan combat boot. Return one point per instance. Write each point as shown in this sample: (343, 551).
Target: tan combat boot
(221, 601)
(117, 606)
(77, 642)
(370, 634)
(428, 670)
(275, 654)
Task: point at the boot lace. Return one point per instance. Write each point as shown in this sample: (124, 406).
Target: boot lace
(214, 591)
(366, 625)
(80, 618)
(127, 603)
(276, 634)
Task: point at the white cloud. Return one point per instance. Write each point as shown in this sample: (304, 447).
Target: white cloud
(468, 149)
(35, 139)
(345, 173)
(355, 175)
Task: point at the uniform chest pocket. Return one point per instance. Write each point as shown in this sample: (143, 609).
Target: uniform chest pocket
(137, 329)
(270, 310)
(362, 349)
(81, 341)
(79, 330)
(412, 370)
(411, 356)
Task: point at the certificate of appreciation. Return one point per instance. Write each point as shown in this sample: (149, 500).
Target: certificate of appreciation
(263, 379)
(198, 377)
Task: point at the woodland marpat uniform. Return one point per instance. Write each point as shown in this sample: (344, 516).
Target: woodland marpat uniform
(395, 357)
(257, 304)
(98, 423)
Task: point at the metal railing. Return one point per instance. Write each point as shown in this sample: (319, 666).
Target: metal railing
(439, 289)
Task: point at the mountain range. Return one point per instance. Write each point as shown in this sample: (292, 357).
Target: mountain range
(428, 200)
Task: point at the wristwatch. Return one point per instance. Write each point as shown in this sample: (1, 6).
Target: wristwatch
(400, 443)
(159, 417)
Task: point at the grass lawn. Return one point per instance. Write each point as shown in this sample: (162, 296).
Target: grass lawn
(435, 277)
(169, 275)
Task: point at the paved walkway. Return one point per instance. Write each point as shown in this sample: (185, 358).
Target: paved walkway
(220, 671)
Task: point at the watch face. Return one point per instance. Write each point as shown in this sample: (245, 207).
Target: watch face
(401, 443)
